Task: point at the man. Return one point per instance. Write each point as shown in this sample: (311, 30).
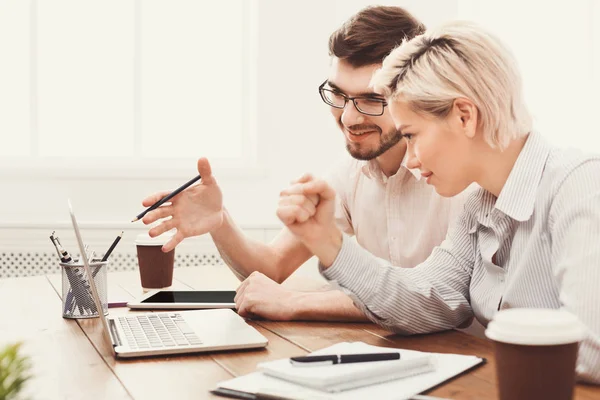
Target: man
(391, 211)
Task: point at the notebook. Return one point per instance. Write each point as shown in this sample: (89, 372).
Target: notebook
(263, 383)
(337, 378)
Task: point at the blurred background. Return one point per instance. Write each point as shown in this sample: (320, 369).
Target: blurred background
(106, 102)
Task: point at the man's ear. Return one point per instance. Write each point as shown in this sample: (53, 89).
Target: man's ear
(466, 116)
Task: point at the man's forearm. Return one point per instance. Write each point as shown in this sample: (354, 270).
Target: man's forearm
(242, 254)
(330, 305)
(277, 260)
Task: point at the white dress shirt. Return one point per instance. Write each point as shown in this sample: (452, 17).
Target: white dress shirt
(398, 218)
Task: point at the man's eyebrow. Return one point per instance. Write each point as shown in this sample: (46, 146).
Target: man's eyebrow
(361, 94)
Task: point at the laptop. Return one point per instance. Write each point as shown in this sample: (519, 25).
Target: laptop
(149, 334)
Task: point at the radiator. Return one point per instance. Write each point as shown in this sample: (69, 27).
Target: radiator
(19, 264)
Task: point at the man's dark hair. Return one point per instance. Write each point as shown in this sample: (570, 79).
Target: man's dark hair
(370, 35)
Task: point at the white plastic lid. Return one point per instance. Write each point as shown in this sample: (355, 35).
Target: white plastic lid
(143, 239)
(535, 327)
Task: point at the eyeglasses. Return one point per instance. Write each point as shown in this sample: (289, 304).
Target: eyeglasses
(364, 105)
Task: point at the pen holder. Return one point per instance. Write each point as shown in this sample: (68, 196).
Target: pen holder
(77, 300)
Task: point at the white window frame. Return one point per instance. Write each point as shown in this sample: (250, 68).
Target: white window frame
(137, 167)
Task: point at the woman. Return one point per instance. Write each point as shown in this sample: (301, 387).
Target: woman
(530, 237)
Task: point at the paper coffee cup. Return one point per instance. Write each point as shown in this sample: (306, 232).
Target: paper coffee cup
(536, 352)
(144, 239)
(156, 267)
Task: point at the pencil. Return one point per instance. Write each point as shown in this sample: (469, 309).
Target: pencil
(167, 198)
(112, 247)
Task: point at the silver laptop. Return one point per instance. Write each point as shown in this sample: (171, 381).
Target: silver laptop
(148, 334)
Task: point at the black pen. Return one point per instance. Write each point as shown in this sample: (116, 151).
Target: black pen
(330, 359)
(238, 394)
(167, 198)
(112, 247)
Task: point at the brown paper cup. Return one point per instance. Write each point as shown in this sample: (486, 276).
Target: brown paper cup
(536, 353)
(156, 267)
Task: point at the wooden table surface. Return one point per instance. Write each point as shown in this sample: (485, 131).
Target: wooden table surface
(70, 360)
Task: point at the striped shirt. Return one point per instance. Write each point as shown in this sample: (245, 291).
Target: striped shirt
(398, 218)
(536, 245)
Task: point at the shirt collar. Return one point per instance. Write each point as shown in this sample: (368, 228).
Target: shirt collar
(518, 195)
(372, 170)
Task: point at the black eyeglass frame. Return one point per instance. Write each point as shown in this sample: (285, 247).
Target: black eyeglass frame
(348, 98)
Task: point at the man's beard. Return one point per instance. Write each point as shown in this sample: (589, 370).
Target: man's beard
(386, 142)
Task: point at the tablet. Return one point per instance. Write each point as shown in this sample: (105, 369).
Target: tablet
(185, 299)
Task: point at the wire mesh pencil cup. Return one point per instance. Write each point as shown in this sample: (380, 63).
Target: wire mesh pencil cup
(77, 300)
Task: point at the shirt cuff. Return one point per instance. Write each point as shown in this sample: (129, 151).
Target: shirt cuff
(354, 269)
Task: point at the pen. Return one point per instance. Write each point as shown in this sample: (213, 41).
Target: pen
(55, 245)
(112, 247)
(65, 257)
(264, 394)
(167, 198)
(77, 280)
(62, 249)
(331, 359)
(69, 302)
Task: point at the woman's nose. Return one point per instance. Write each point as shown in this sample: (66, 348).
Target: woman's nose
(412, 161)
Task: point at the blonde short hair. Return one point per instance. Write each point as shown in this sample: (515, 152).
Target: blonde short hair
(458, 60)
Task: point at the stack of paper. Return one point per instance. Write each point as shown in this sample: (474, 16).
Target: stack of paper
(336, 378)
(274, 377)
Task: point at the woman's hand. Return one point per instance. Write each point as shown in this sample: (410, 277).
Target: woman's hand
(307, 208)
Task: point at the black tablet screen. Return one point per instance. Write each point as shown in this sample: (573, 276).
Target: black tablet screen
(191, 297)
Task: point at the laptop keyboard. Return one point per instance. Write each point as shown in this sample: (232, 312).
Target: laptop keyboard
(157, 330)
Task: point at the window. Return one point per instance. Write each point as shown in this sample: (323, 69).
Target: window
(126, 85)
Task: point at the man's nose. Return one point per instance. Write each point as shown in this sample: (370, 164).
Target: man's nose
(351, 116)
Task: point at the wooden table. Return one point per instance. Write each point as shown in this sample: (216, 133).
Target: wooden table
(71, 361)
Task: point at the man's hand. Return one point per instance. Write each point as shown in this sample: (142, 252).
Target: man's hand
(195, 211)
(307, 209)
(263, 297)
(259, 296)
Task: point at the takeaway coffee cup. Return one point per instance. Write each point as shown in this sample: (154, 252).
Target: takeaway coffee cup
(536, 353)
(156, 267)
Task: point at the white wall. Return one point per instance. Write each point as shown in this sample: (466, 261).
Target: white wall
(557, 46)
(295, 136)
(557, 43)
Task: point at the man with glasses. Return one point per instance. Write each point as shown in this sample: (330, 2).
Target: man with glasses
(392, 212)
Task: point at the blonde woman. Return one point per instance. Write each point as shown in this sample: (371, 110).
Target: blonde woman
(530, 237)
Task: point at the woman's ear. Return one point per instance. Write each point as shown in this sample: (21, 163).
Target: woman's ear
(466, 115)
